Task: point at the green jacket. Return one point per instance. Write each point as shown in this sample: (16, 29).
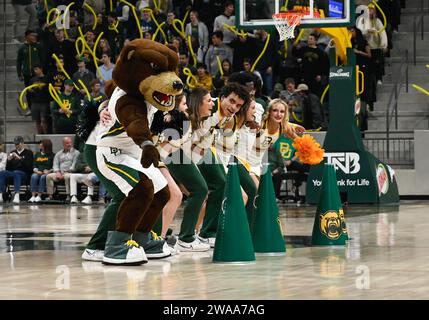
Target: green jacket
(61, 121)
(29, 55)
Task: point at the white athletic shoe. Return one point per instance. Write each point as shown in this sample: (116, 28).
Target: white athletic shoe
(74, 200)
(32, 199)
(194, 246)
(209, 241)
(93, 255)
(37, 199)
(87, 200)
(16, 198)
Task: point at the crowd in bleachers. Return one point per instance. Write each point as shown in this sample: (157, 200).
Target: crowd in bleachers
(76, 56)
(44, 170)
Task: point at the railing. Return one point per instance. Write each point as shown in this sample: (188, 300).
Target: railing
(392, 105)
(4, 71)
(419, 23)
(398, 149)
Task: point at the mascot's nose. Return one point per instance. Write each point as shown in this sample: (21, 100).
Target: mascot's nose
(177, 85)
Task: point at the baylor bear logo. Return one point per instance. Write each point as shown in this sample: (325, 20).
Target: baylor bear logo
(330, 225)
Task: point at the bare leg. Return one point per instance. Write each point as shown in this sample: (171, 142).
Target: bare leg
(201, 217)
(255, 180)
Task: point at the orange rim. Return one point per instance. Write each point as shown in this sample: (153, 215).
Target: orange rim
(291, 15)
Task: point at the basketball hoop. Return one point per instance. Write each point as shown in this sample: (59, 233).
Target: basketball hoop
(286, 22)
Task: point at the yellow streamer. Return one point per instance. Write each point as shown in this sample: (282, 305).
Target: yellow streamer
(420, 89)
(181, 32)
(157, 4)
(384, 17)
(54, 94)
(62, 69)
(186, 16)
(93, 13)
(76, 44)
(95, 57)
(296, 117)
(64, 19)
(49, 14)
(46, 5)
(21, 96)
(219, 65)
(322, 98)
(314, 130)
(262, 53)
(191, 50)
(92, 51)
(156, 23)
(284, 7)
(111, 5)
(189, 77)
(114, 27)
(239, 33)
(157, 30)
(133, 8)
(301, 32)
(85, 88)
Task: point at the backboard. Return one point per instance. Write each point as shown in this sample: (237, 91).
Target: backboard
(257, 14)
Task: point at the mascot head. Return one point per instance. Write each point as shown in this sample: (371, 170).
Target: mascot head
(147, 68)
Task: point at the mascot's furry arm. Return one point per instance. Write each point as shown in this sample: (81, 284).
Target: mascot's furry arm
(134, 119)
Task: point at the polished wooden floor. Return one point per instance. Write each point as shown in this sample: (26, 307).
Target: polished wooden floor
(386, 258)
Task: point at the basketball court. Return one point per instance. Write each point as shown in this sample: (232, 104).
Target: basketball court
(41, 247)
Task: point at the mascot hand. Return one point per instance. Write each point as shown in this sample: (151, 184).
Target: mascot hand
(150, 156)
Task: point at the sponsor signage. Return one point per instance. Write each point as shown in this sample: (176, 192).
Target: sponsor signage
(340, 73)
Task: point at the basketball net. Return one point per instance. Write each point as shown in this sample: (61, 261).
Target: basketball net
(286, 22)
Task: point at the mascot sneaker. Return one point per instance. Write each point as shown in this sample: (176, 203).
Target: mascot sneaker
(93, 255)
(121, 249)
(154, 246)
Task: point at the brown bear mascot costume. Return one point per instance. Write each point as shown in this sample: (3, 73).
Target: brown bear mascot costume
(144, 81)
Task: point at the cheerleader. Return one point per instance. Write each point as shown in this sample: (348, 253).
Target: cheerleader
(225, 145)
(275, 122)
(171, 132)
(232, 98)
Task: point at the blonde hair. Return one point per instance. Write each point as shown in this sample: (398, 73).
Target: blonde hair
(272, 103)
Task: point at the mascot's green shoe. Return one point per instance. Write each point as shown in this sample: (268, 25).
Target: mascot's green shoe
(121, 249)
(154, 247)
